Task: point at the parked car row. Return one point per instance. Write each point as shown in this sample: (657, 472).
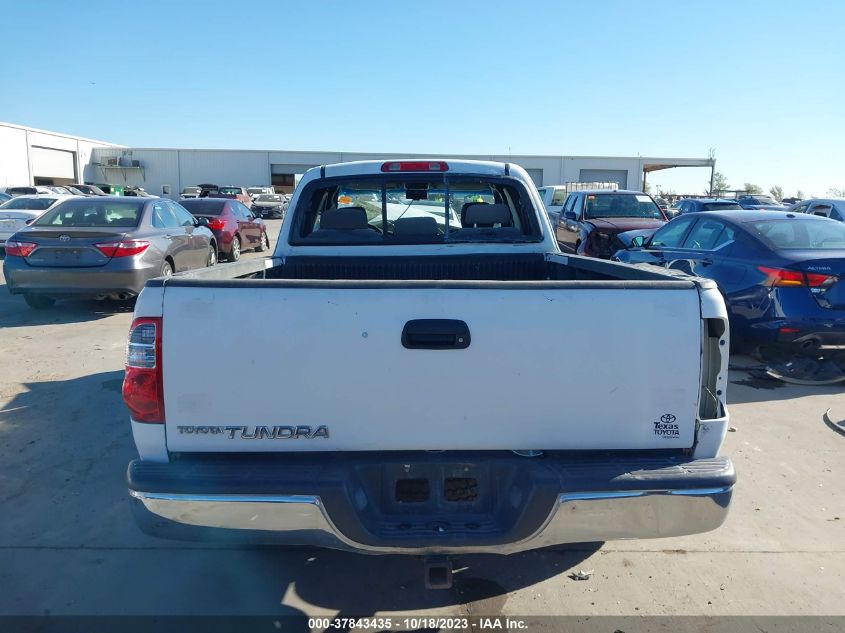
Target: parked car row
(777, 267)
(264, 202)
(109, 246)
(61, 190)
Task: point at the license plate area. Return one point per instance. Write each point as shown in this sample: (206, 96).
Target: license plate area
(454, 487)
(437, 499)
(64, 256)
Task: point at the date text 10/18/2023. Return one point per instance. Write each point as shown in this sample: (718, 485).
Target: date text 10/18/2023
(412, 623)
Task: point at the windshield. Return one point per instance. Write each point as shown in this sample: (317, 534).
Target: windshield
(719, 206)
(762, 200)
(229, 190)
(191, 190)
(32, 204)
(88, 212)
(418, 209)
(621, 205)
(268, 198)
(256, 190)
(800, 233)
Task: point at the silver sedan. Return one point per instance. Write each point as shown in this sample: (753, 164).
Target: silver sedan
(104, 247)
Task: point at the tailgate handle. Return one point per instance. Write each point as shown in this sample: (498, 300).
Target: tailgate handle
(435, 334)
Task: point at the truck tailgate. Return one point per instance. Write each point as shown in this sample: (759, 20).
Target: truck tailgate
(270, 368)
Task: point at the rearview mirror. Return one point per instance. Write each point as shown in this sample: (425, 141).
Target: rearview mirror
(570, 215)
(638, 241)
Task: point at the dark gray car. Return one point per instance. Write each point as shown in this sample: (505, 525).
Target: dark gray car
(104, 247)
(269, 205)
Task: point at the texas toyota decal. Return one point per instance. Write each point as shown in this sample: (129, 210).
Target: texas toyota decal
(667, 426)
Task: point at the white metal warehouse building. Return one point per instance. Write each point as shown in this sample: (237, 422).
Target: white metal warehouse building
(29, 156)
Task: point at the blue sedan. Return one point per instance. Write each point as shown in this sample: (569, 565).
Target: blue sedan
(779, 272)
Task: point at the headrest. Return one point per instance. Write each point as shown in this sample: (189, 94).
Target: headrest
(346, 219)
(481, 214)
(415, 227)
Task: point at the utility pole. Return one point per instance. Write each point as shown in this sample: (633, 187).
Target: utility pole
(712, 155)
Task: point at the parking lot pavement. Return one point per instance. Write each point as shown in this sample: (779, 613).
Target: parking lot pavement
(68, 544)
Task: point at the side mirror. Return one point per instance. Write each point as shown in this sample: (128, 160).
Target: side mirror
(201, 222)
(638, 241)
(570, 215)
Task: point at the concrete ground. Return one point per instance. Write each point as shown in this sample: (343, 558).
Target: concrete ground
(68, 544)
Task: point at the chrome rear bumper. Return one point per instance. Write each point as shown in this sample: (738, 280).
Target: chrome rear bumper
(577, 518)
(573, 517)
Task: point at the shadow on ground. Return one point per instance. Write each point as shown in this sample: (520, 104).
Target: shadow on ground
(745, 388)
(354, 584)
(14, 312)
(64, 447)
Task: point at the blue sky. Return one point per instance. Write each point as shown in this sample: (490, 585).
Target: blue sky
(761, 82)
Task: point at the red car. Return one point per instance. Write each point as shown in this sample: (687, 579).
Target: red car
(236, 228)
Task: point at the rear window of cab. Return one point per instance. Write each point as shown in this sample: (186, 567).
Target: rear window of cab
(414, 209)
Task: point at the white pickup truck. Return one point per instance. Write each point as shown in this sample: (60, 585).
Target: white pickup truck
(410, 388)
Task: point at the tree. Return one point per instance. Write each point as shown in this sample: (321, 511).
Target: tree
(777, 192)
(835, 192)
(799, 194)
(720, 183)
(751, 188)
(647, 188)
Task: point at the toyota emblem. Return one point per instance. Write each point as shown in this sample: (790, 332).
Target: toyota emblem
(64, 238)
(667, 418)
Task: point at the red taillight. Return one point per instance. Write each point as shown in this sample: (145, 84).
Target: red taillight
(415, 165)
(789, 330)
(122, 249)
(20, 249)
(216, 224)
(143, 389)
(784, 278)
(814, 280)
